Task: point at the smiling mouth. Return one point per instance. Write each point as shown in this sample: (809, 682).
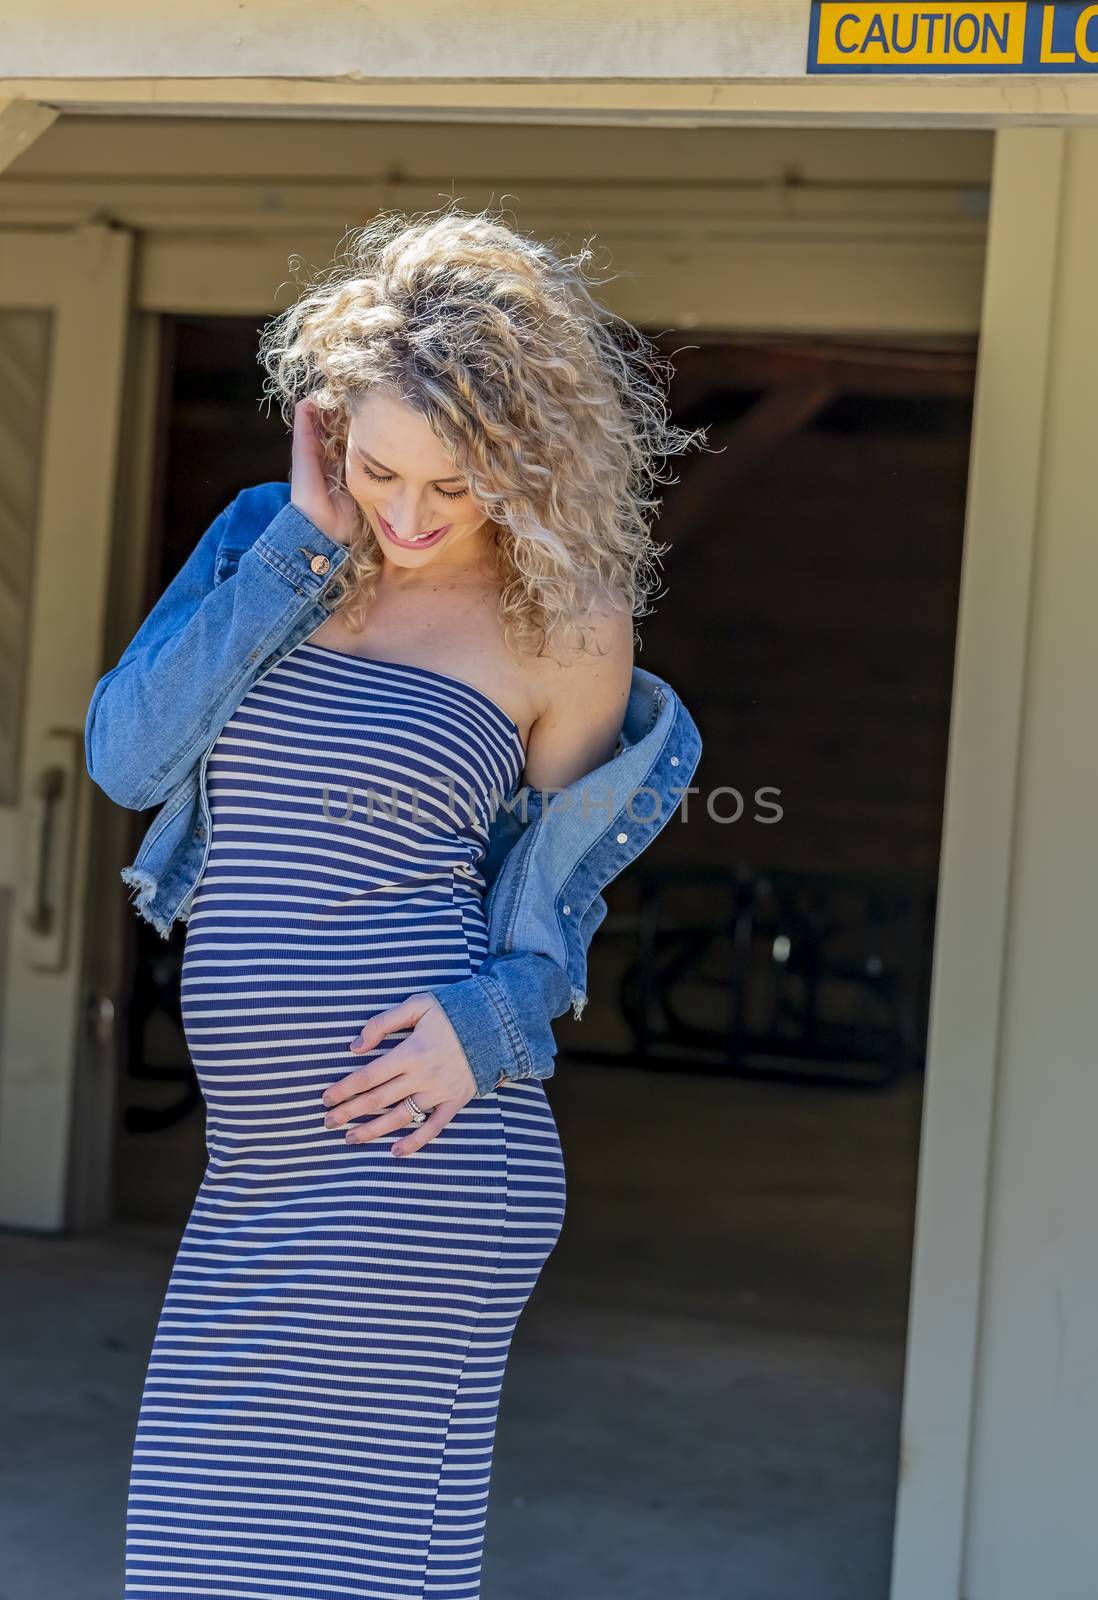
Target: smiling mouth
(419, 538)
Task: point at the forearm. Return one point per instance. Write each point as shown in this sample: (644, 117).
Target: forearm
(153, 714)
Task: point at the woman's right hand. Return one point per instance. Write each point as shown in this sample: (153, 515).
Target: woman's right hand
(334, 515)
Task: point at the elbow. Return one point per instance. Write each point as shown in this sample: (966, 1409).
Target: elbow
(117, 784)
(108, 766)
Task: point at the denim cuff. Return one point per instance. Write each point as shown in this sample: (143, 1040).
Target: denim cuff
(503, 1016)
(299, 551)
(489, 1034)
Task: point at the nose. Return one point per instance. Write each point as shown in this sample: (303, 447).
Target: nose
(408, 515)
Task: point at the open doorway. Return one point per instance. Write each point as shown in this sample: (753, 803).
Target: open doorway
(706, 1386)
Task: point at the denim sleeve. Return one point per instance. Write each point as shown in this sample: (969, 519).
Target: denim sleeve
(151, 717)
(503, 1015)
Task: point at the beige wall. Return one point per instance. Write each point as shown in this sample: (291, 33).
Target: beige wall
(723, 228)
(424, 38)
(1000, 1440)
(701, 62)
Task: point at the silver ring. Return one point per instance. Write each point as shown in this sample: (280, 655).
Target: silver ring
(418, 1113)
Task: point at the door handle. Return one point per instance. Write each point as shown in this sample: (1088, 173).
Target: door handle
(47, 869)
(41, 915)
(101, 1018)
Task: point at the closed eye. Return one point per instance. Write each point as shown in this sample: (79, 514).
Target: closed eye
(448, 494)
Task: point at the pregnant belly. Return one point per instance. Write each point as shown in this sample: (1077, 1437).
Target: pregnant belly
(268, 1014)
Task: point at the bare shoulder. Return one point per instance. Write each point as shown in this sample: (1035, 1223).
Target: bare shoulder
(582, 700)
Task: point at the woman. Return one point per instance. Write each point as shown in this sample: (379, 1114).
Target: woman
(471, 445)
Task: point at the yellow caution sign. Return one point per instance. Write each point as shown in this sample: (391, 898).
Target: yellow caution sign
(953, 36)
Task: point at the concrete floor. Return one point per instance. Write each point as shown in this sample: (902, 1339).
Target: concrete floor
(702, 1398)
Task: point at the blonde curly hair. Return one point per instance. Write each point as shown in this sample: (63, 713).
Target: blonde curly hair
(551, 406)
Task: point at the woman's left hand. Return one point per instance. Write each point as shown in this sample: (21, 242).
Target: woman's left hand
(430, 1065)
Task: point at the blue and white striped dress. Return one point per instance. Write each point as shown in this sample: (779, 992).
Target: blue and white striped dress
(318, 1416)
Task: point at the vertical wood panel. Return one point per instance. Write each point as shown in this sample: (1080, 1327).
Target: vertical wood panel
(24, 360)
(1032, 1528)
(974, 882)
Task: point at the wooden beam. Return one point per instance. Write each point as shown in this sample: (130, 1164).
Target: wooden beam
(724, 361)
(778, 414)
(801, 101)
(21, 122)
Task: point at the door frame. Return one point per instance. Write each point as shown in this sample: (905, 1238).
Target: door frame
(81, 276)
(975, 877)
(974, 880)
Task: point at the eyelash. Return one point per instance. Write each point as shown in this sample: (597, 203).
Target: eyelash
(448, 494)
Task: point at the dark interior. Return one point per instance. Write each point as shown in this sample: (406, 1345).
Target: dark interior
(760, 986)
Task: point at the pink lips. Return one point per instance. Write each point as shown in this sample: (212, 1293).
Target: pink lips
(414, 544)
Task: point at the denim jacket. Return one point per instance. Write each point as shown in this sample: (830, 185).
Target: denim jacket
(255, 586)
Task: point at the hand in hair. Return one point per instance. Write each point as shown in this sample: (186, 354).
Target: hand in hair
(333, 511)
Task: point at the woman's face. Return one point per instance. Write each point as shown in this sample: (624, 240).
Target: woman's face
(406, 484)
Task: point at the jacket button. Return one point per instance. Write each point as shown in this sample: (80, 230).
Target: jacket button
(623, 838)
(320, 565)
(674, 761)
(567, 910)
